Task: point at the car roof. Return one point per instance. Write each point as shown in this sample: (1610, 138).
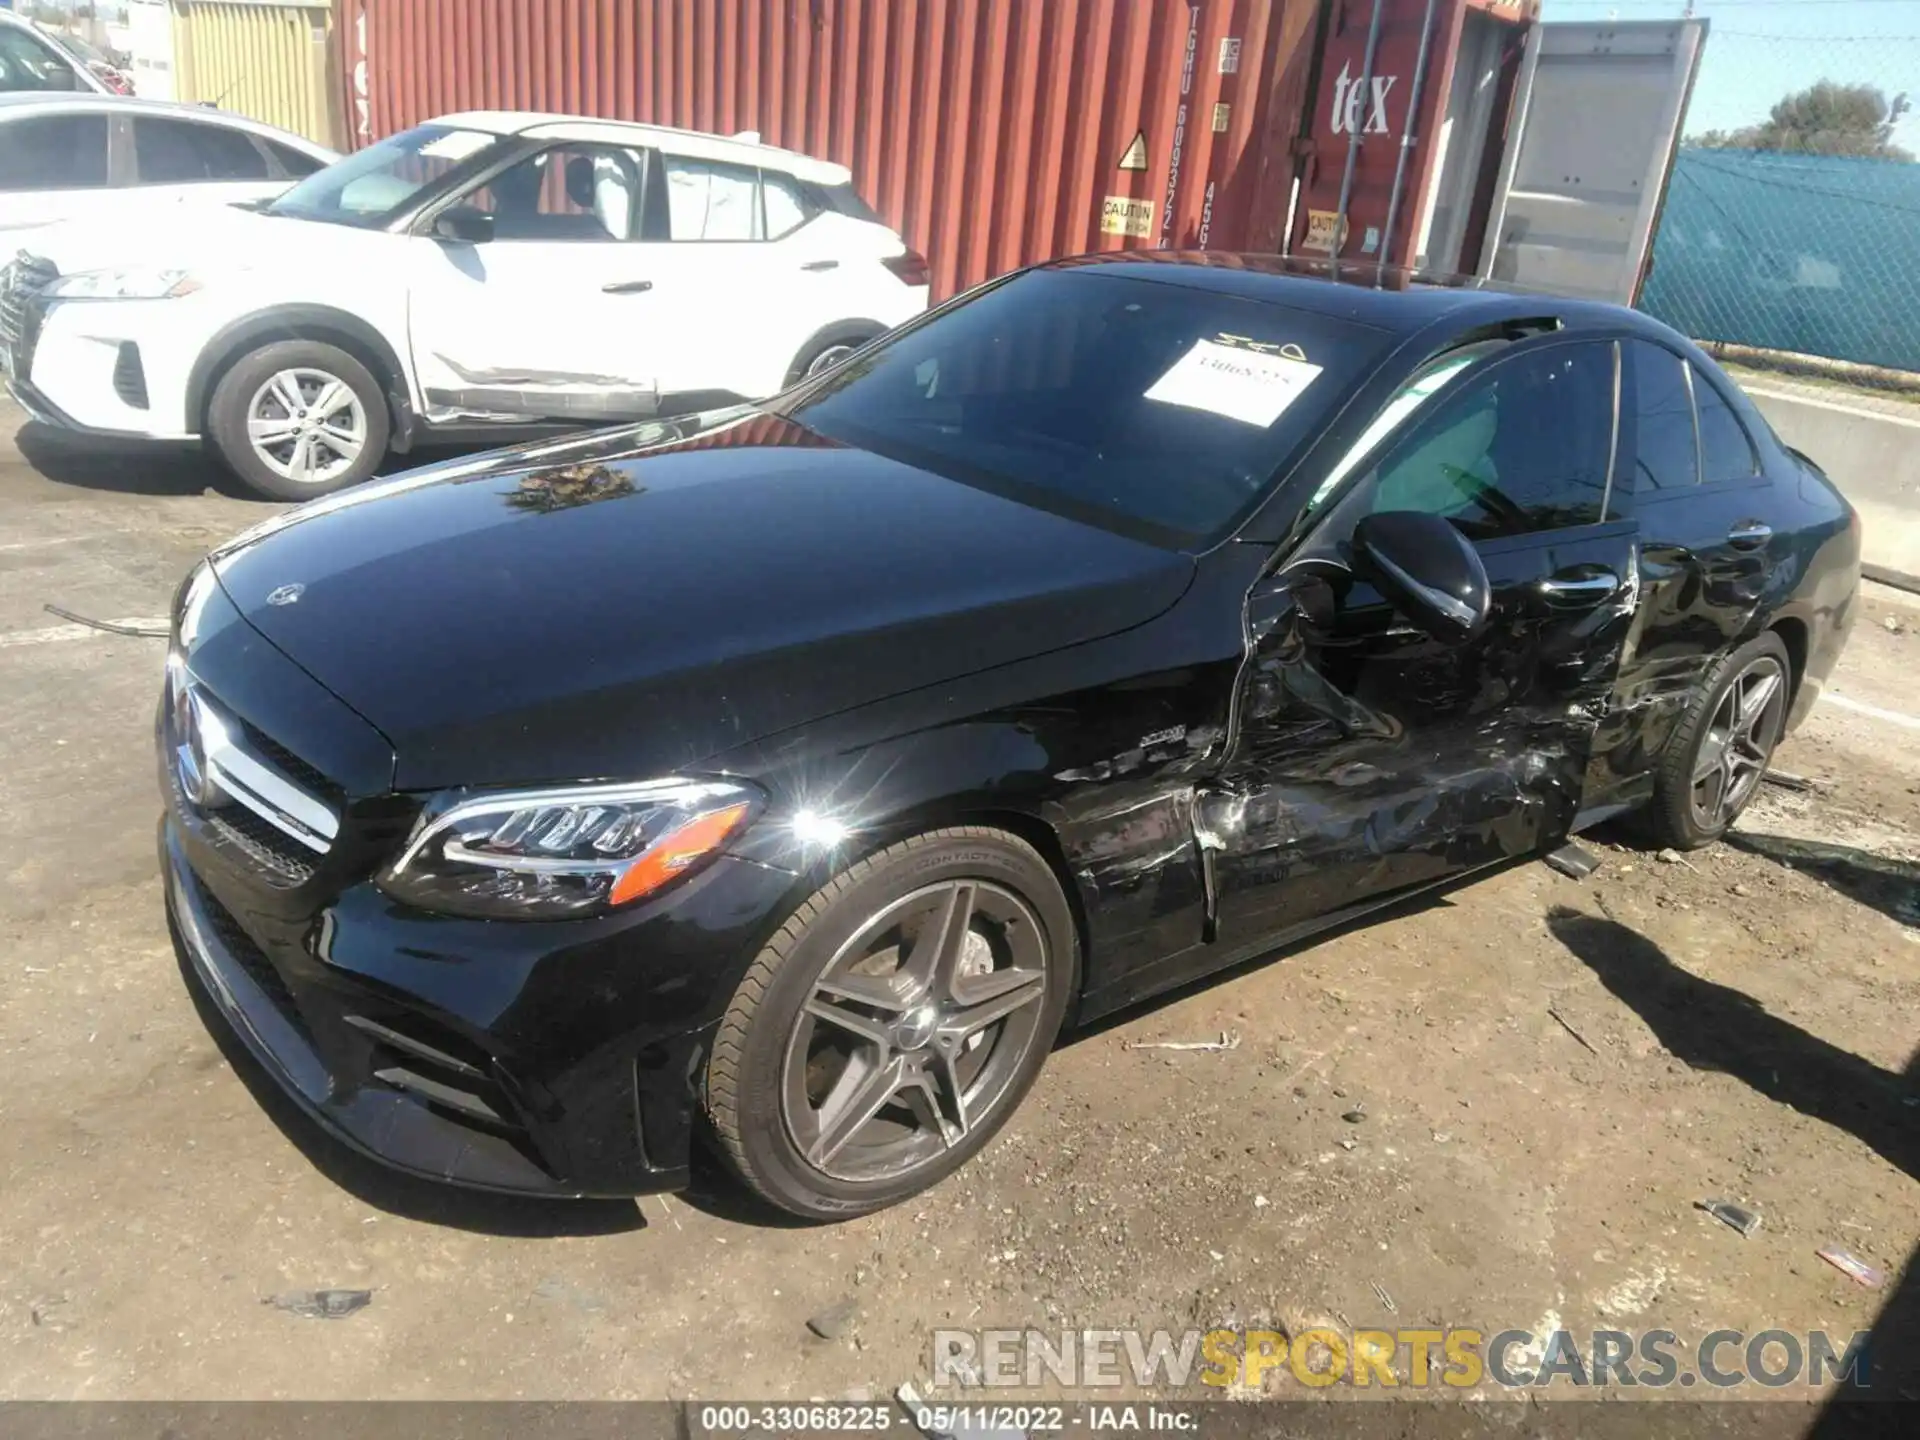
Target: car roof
(1276, 280)
(15, 102)
(742, 149)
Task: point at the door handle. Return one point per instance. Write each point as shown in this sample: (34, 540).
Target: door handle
(627, 287)
(1749, 535)
(1578, 589)
(821, 265)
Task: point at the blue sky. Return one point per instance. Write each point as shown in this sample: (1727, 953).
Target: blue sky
(1759, 50)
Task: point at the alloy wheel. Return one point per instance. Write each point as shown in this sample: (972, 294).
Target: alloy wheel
(915, 1031)
(306, 425)
(1738, 743)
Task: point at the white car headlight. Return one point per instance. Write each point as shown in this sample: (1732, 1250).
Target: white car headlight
(578, 850)
(138, 283)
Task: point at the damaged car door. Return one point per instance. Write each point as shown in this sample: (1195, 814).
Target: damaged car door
(532, 296)
(1381, 747)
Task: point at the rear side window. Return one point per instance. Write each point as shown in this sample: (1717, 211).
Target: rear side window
(786, 208)
(1726, 450)
(707, 200)
(179, 152)
(296, 163)
(1666, 454)
(54, 152)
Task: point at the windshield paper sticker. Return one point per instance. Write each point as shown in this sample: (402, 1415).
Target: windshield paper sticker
(1252, 386)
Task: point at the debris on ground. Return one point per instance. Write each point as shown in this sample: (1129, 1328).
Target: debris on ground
(142, 629)
(1787, 780)
(831, 1323)
(1674, 857)
(1574, 861)
(1355, 1115)
(1260, 1202)
(1892, 624)
(320, 1304)
(1852, 1267)
(1385, 1299)
(1567, 1025)
(1738, 1216)
(1229, 1040)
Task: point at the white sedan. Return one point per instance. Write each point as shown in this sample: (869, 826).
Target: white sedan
(92, 157)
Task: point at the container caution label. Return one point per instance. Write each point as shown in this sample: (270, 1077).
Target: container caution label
(1321, 225)
(1134, 157)
(1120, 215)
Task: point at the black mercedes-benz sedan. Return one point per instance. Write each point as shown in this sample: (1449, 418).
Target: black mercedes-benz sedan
(785, 777)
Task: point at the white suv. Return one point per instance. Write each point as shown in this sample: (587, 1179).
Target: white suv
(484, 270)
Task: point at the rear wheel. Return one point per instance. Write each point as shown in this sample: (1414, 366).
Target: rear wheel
(893, 1024)
(299, 418)
(1713, 763)
(822, 355)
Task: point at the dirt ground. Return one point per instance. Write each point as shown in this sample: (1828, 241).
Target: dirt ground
(1550, 1072)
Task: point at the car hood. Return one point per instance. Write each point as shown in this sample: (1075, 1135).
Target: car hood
(630, 603)
(172, 234)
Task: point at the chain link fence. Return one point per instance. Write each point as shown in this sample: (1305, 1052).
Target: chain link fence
(1790, 238)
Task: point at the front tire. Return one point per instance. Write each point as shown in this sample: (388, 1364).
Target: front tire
(299, 418)
(892, 1025)
(1713, 763)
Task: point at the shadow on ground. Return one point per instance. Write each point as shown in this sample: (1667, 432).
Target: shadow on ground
(152, 467)
(1716, 1027)
(1711, 1026)
(1890, 886)
(131, 467)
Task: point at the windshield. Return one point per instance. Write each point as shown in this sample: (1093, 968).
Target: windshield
(1158, 409)
(370, 185)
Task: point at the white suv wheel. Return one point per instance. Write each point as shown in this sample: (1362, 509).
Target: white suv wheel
(299, 418)
(306, 426)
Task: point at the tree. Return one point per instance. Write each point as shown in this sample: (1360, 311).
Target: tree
(1826, 118)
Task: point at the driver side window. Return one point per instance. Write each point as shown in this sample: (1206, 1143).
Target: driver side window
(1525, 446)
(573, 192)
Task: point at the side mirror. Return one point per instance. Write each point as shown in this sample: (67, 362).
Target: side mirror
(1427, 571)
(464, 223)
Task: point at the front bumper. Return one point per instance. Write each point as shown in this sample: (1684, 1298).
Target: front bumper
(381, 1122)
(493, 1055)
(68, 360)
(558, 1057)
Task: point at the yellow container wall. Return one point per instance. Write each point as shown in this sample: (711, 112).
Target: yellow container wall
(265, 61)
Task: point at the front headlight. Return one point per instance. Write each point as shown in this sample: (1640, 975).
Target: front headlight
(136, 283)
(555, 854)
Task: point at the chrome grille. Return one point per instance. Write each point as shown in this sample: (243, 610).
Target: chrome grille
(244, 801)
(21, 282)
